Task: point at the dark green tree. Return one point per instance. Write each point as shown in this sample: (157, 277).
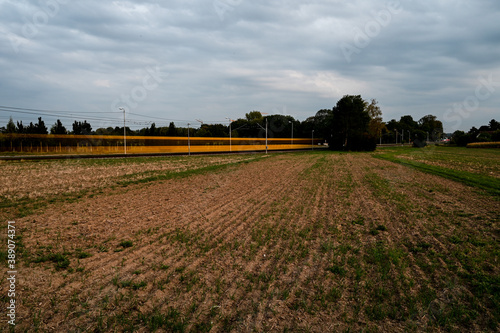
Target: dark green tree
(350, 123)
(280, 126)
(473, 132)
(460, 138)
(494, 125)
(307, 126)
(40, 127)
(104, 131)
(204, 131)
(241, 128)
(172, 130)
(254, 117)
(30, 129)
(215, 130)
(407, 123)
(321, 123)
(80, 128)
(431, 125)
(20, 127)
(392, 125)
(250, 127)
(409, 127)
(58, 128)
(152, 131)
(11, 127)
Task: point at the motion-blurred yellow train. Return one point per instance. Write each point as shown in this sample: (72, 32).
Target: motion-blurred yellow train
(114, 144)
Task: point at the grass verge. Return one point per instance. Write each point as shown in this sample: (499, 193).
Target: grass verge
(490, 185)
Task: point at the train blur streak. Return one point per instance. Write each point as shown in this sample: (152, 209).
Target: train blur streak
(113, 144)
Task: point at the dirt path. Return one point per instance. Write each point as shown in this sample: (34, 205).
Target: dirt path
(288, 242)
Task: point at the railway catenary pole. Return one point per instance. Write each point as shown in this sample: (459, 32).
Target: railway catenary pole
(266, 135)
(124, 133)
(189, 142)
(230, 121)
(291, 141)
(266, 132)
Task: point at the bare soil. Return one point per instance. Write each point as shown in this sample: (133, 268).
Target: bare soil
(34, 179)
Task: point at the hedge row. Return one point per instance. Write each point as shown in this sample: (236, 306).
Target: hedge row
(484, 145)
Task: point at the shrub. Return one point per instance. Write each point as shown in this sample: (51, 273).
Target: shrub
(461, 139)
(417, 143)
(495, 137)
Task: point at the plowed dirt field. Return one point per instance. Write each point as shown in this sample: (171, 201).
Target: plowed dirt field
(313, 242)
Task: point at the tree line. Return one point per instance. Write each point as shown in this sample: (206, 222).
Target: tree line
(352, 124)
(81, 128)
(485, 133)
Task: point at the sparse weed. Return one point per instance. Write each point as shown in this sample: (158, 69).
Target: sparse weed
(126, 244)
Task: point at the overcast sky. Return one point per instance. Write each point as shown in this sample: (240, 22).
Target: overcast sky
(208, 60)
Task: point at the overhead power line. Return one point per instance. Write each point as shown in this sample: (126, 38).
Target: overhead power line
(58, 114)
(140, 115)
(111, 119)
(51, 111)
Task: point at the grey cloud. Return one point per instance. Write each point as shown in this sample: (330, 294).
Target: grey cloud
(281, 55)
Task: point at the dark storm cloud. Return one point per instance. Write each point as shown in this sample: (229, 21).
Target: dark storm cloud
(223, 58)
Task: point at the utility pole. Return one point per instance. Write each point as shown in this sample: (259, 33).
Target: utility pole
(312, 140)
(291, 141)
(124, 133)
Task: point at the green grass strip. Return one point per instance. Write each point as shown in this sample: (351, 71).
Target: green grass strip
(490, 185)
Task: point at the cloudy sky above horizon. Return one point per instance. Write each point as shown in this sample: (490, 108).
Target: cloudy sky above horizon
(185, 60)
